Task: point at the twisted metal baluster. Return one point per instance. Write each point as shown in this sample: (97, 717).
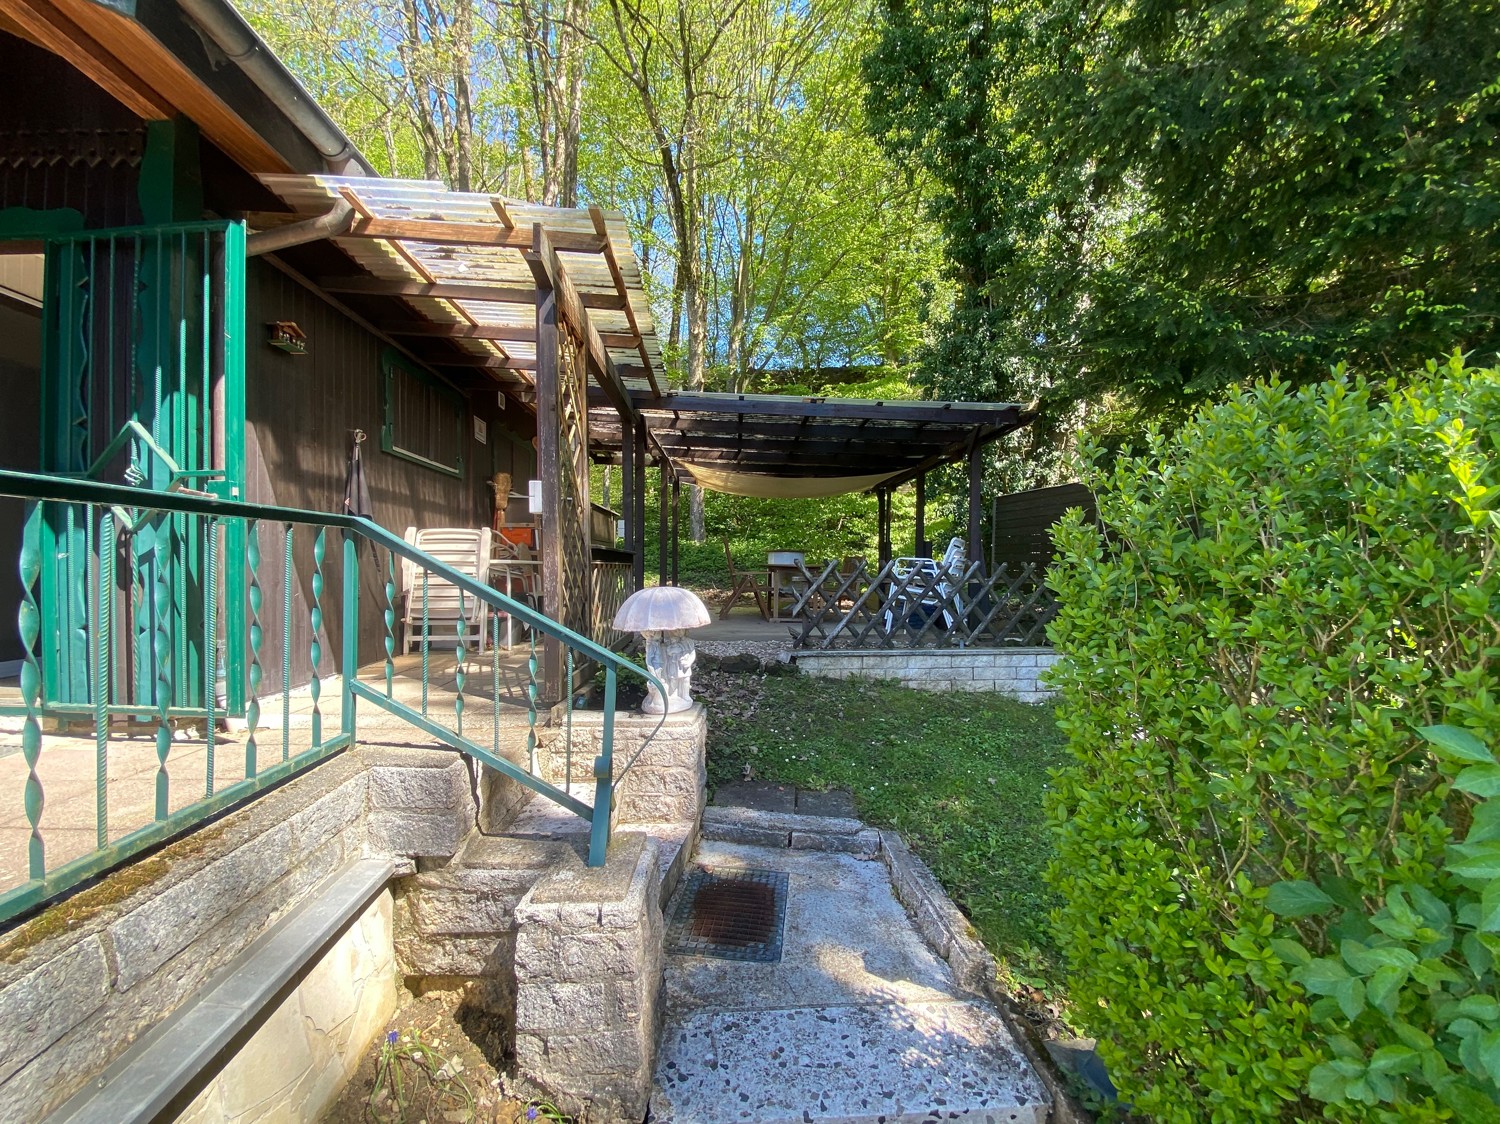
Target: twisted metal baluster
(390, 624)
(286, 648)
(426, 642)
(315, 649)
(495, 680)
(568, 730)
(104, 630)
(459, 676)
(257, 638)
(211, 646)
(162, 650)
(531, 693)
(29, 623)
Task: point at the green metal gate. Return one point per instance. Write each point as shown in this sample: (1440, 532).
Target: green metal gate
(143, 382)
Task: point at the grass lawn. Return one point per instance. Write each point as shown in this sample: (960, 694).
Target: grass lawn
(961, 776)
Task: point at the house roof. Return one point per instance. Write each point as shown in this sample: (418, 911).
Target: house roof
(466, 266)
(777, 445)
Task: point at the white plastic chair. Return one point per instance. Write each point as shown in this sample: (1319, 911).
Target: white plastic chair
(465, 549)
(933, 585)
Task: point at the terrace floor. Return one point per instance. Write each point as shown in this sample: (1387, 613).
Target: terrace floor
(74, 821)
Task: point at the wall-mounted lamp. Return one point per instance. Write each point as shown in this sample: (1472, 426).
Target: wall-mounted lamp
(287, 337)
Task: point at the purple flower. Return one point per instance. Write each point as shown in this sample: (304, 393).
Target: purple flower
(390, 1038)
(531, 1113)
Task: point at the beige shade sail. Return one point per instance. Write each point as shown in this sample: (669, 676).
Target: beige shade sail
(761, 486)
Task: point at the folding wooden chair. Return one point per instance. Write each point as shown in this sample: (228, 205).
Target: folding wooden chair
(747, 583)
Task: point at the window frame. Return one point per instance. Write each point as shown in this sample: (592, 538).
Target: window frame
(392, 361)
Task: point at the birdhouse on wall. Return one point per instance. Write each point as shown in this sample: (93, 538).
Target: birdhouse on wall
(286, 336)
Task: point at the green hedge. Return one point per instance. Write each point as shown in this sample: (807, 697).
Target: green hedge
(1255, 827)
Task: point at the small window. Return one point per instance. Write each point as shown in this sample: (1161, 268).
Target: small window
(424, 418)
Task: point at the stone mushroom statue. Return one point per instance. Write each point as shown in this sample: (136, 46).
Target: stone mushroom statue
(663, 614)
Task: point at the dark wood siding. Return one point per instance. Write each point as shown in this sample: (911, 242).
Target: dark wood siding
(64, 142)
(1023, 523)
(301, 416)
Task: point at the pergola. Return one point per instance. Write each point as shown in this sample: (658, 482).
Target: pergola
(548, 305)
(781, 446)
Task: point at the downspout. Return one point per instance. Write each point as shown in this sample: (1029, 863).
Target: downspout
(232, 35)
(330, 224)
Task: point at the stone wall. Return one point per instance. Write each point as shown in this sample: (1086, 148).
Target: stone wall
(88, 975)
(667, 782)
(311, 1045)
(1011, 671)
(589, 962)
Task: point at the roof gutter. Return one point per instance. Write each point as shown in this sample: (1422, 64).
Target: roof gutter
(232, 35)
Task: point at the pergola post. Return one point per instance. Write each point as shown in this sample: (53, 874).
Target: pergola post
(919, 545)
(661, 526)
(883, 521)
(550, 468)
(976, 483)
(676, 523)
(627, 487)
(638, 513)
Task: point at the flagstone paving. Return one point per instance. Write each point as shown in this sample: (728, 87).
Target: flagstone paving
(860, 1022)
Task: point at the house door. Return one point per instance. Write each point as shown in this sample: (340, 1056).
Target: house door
(142, 383)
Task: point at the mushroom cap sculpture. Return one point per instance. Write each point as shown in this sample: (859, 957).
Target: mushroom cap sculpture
(663, 614)
(661, 608)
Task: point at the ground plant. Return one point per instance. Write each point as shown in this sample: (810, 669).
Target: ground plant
(1275, 844)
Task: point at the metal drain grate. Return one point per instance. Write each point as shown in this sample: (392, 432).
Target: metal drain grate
(732, 914)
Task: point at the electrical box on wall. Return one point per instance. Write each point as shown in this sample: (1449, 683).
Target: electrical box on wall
(481, 431)
(534, 496)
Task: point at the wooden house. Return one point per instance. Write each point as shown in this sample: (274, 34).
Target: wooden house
(203, 285)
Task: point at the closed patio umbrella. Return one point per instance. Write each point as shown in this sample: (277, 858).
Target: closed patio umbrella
(356, 490)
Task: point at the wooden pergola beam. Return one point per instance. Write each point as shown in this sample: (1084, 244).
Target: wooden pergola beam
(483, 362)
(515, 332)
(698, 428)
(848, 409)
(550, 275)
(601, 229)
(447, 290)
(469, 234)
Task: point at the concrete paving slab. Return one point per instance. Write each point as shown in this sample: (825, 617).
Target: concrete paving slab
(861, 1021)
(847, 941)
(886, 1063)
(835, 802)
(763, 796)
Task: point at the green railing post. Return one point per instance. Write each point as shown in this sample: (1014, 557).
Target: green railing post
(604, 777)
(351, 630)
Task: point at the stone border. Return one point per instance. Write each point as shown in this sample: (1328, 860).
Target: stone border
(950, 934)
(790, 831)
(1011, 671)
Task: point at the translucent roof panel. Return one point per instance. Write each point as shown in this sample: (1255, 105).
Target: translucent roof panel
(399, 237)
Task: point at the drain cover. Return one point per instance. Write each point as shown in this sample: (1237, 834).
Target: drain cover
(731, 914)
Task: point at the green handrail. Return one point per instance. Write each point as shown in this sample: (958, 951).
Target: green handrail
(121, 500)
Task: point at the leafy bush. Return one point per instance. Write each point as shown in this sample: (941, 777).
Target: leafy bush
(1265, 913)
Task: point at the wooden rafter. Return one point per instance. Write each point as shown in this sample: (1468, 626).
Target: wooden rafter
(449, 290)
(619, 278)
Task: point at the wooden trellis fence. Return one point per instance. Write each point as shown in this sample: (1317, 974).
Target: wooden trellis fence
(966, 606)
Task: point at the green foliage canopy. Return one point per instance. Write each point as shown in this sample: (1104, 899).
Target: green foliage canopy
(1158, 200)
(1290, 589)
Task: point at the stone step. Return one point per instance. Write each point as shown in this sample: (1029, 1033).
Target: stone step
(858, 1064)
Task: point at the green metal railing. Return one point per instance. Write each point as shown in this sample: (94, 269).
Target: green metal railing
(134, 672)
